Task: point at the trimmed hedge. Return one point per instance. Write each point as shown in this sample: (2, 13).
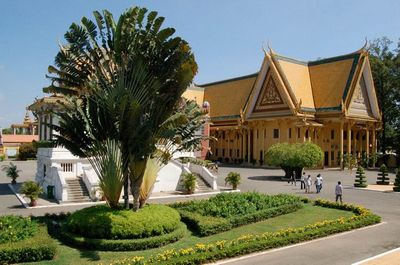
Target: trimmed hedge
(120, 244)
(15, 228)
(228, 210)
(245, 244)
(102, 222)
(209, 225)
(36, 248)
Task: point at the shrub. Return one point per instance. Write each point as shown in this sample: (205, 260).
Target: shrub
(102, 222)
(27, 151)
(11, 171)
(121, 244)
(38, 247)
(383, 178)
(32, 190)
(361, 181)
(189, 182)
(244, 244)
(228, 210)
(233, 179)
(15, 228)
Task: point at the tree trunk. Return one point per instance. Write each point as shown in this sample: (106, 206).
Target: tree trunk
(137, 169)
(126, 189)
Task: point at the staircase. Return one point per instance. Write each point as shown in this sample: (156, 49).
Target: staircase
(77, 191)
(201, 185)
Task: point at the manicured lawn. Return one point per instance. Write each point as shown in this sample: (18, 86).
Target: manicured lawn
(309, 214)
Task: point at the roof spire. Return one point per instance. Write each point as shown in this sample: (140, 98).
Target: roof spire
(271, 51)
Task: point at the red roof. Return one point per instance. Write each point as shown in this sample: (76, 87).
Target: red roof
(18, 138)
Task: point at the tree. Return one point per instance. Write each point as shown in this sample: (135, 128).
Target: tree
(396, 186)
(7, 131)
(383, 178)
(385, 65)
(125, 81)
(361, 180)
(294, 157)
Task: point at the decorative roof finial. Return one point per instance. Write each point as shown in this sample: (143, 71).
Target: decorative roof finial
(271, 51)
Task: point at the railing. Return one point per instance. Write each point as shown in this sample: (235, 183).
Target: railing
(206, 174)
(91, 181)
(60, 186)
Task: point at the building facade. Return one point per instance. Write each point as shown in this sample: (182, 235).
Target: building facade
(330, 102)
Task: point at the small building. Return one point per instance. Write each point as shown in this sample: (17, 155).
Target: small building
(330, 102)
(25, 132)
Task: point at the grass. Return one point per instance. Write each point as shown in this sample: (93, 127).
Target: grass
(309, 214)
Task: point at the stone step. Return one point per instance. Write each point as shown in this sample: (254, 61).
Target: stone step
(77, 191)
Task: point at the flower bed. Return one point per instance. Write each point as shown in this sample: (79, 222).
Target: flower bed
(202, 253)
(228, 210)
(35, 248)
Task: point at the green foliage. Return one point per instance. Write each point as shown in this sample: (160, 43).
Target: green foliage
(294, 155)
(108, 164)
(349, 161)
(27, 151)
(102, 222)
(233, 179)
(16, 228)
(228, 210)
(129, 76)
(189, 182)
(121, 244)
(397, 181)
(361, 181)
(38, 247)
(383, 178)
(385, 66)
(2, 157)
(11, 171)
(31, 189)
(43, 144)
(205, 163)
(7, 131)
(244, 244)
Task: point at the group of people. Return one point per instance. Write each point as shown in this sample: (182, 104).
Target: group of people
(306, 182)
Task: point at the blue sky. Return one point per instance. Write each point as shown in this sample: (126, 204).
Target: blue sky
(226, 35)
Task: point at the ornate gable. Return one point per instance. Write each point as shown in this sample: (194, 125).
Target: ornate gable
(269, 98)
(360, 105)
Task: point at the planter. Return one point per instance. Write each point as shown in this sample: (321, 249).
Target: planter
(33, 202)
(234, 187)
(13, 182)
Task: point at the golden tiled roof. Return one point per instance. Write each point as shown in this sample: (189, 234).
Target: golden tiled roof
(228, 97)
(194, 93)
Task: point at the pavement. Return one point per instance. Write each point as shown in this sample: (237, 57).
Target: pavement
(346, 248)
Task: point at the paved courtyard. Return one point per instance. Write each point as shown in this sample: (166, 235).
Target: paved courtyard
(345, 248)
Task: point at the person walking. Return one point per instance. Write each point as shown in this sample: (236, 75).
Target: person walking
(302, 181)
(294, 178)
(308, 183)
(339, 192)
(318, 183)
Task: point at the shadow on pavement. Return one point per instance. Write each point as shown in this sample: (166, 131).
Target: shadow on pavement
(5, 190)
(267, 178)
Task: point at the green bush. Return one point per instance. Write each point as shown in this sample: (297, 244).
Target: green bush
(228, 210)
(38, 247)
(294, 157)
(361, 180)
(16, 228)
(27, 151)
(120, 244)
(383, 178)
(102, 222)
(244, 244)
(233, 179)
(189, 182)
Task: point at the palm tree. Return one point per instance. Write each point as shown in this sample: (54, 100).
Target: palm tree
(125, 81)
(11, 172)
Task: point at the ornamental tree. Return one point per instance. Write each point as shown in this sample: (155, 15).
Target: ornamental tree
(294, 157)
(361, 181)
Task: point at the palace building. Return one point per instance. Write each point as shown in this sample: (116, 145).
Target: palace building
(330, 102)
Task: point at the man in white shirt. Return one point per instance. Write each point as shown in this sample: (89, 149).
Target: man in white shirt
(318, 183)
(339, 192)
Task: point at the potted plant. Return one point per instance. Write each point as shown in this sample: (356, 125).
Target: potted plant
(11, 172)
(189, 182)
(233, 179)
(32, 190)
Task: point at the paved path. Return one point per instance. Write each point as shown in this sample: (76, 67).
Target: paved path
(346, 248)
